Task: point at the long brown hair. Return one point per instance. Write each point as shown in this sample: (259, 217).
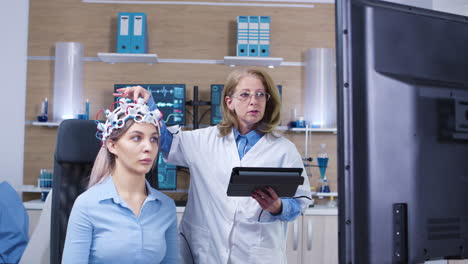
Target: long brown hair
(272, 115)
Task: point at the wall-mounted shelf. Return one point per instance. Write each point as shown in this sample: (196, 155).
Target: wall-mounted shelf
(297, 129)
(34, 189)
(252, 61)
(34, 204)
(128, 58)
(323, 194)
(159, 60)
(46, 124)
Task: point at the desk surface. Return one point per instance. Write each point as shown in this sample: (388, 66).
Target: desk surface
(316, 210)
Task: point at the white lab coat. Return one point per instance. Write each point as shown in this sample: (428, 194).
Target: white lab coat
(222, 229)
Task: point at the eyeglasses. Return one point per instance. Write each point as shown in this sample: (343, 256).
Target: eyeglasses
(260, 96)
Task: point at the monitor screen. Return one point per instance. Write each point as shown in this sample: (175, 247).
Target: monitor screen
(216, 93)
(170, 99)
(167, 175)
(402, 133)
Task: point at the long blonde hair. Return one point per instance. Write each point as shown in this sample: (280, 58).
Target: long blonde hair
(272, 115)
(105, 160)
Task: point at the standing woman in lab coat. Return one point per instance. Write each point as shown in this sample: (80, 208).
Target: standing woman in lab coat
(218, 229)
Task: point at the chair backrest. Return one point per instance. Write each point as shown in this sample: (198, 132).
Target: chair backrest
(75, 153)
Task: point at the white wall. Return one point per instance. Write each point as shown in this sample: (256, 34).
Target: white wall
(13, 66)
(459, 7)
(418, 3)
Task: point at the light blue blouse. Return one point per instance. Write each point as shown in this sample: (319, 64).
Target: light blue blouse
(103, 229)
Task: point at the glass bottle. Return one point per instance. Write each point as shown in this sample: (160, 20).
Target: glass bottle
(332, 202)
(322, 160)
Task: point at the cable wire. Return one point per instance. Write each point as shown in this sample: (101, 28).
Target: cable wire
(203, 115)
(188, 245)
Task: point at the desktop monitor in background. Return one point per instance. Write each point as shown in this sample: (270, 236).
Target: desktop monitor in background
(216, 93)
(216, 114)
(167, 175)
(402, 133)
(170, 99)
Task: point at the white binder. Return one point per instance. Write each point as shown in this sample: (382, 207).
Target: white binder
(242, 35)
(264, 36)
(253, 35)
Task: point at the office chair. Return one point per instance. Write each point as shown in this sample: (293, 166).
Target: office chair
(76, 150)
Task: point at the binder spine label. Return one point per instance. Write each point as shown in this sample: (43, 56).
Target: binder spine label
(124, 25)
(138, 26)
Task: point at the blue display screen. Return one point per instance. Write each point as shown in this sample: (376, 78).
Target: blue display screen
(170, 99)
(216, 92)
(167, 175)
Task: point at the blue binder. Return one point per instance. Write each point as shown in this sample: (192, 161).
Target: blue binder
(253, 35)
(140, 36)
(264, 36)
(124, 32)
(242, 35)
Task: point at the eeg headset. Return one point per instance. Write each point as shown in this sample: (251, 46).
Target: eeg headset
(127, 109)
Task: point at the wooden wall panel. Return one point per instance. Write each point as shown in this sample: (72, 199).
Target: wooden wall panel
(178, 31)
(39, 148)
(175, 32)
(40, 84)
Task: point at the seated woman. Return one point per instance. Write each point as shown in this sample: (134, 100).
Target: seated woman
(121, 218)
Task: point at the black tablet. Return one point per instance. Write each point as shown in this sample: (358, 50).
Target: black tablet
(244, 180)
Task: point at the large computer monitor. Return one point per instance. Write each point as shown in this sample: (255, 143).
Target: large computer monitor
(167, 175)
(216, 114)
(402, 133)
(162, 176)
(170, 99)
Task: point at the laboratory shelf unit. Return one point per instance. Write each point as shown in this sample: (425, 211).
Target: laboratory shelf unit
(252, 61)
(324, 194)
(300, 129)
(34, 189)
(37, 204)
(303, 129)
(128, 58)
(45, 124)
